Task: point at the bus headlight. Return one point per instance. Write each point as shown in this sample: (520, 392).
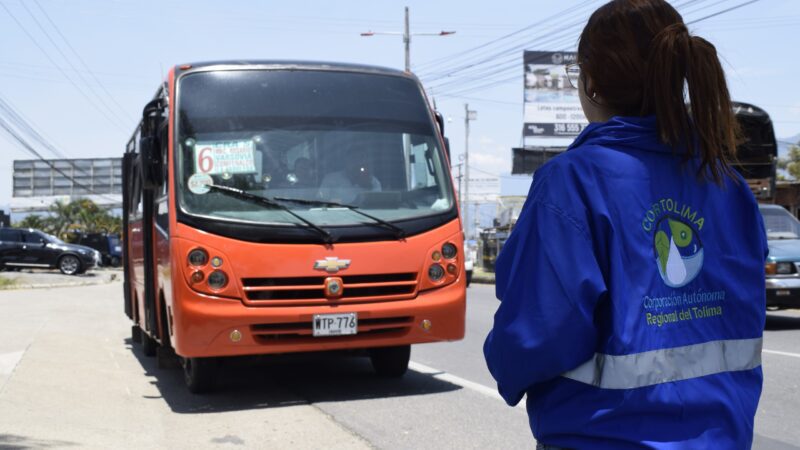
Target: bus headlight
(217, 279)
(436, 272)
(449, 251)
(198, 257)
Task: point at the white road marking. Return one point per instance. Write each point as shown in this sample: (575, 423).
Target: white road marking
(776, 352)
(8, 361)
(444, 376)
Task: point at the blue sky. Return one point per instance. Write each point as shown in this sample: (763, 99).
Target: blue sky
(128, 45)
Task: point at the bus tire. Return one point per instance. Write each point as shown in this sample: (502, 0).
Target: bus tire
(198, 374)
(136, 334)
(390, 362)
(149, 345)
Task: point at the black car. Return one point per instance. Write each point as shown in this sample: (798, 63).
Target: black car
(29, 248)
(107, 244)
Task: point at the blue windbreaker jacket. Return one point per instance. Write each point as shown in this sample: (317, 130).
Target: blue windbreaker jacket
(632, 299)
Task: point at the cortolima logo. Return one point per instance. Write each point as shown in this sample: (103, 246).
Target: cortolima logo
(678, 250)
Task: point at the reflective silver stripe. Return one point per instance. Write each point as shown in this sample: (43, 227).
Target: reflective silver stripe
(669, 364)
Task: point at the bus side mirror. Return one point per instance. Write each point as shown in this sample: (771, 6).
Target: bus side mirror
(150, 162)
(440, 121)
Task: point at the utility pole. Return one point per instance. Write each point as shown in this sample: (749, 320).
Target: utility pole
(468, 115)
(459, 177)
(406, 38)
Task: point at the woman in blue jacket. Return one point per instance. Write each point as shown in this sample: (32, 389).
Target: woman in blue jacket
(632, 288)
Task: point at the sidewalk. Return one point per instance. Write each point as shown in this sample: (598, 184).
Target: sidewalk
(69, 378)
(40, 278)
(481, 276)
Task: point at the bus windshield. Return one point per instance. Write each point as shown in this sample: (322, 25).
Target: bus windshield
(359, 139)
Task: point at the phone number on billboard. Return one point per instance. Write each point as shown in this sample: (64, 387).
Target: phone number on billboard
(568, 128)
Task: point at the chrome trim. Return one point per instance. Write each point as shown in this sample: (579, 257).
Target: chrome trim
(26, 264)
(783, 282)
(669, 364)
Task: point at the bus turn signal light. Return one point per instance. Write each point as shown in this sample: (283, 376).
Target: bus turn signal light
(197, 276)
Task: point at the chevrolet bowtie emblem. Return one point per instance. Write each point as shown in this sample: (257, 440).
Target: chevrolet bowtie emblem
(331, 265)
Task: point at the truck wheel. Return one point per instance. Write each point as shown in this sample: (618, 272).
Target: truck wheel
(198, 373)
(69, 265)
(149, 345)
(390, 362)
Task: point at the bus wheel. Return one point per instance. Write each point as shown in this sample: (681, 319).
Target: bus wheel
(390, 362)
(198, 373)
(136, 334)
(149, 345)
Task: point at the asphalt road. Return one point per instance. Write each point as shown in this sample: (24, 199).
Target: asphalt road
(69, 376)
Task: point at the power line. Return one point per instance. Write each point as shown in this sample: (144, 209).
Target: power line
(21, 124)
(80, 59)
(501, 38)
(27, 146)
(63, 73)
(459, 86)
(722, 12)
(69, 63)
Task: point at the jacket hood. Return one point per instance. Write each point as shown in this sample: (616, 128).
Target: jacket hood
(638, 132)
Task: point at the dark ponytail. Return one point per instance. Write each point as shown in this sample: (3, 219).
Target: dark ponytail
(642, 60)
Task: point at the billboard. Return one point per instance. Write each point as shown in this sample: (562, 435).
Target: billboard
(39, 183)
(552, 109)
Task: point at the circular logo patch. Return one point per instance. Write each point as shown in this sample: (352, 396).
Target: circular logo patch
(199, 182)
(678, 250)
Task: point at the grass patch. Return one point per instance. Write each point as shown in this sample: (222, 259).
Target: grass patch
(7, 283)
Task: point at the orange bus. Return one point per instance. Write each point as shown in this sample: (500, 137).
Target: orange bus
(277, 207)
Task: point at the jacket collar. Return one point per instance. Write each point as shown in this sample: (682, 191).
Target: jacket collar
(636, 132)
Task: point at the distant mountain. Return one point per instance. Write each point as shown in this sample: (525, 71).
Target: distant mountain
(783, 144)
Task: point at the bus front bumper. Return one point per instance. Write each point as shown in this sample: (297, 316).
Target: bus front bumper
(205, 326)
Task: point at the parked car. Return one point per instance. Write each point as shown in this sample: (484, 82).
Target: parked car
(107, 244)
(29, 248)
(783, 276)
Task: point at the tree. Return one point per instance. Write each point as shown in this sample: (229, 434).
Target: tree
(67, 220)
(791, 163)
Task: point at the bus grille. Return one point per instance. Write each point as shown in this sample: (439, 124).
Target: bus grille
(307, 291)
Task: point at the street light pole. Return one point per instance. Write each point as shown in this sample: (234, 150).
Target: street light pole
(407, 42)
(406, 38)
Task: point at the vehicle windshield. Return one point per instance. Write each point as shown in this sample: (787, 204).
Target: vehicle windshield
(780, 224)
(362, 140)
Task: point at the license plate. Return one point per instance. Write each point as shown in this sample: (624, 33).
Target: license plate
(335, 324)
(783, 293)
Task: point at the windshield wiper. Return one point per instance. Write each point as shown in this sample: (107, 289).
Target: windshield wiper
(266, 201)
(399, 233)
